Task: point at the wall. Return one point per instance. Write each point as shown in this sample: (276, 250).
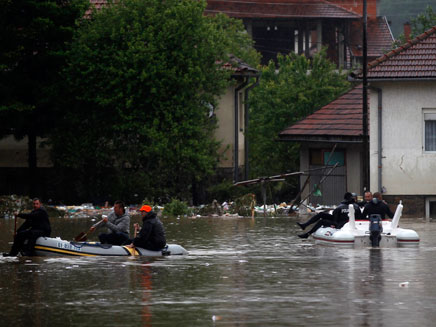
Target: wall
(225, 132)
(14, 154)
(406, 169)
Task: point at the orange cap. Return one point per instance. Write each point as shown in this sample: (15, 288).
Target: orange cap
(145, 208)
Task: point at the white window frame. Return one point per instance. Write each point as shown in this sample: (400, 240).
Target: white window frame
(427, 113)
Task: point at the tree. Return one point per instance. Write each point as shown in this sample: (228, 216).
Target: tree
(142, 76)
(419, 24)
(287, 93)
(34, 36)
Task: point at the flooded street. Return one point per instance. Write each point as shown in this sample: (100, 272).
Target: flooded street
(239, 272)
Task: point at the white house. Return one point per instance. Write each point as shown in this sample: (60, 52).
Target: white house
(402, 125)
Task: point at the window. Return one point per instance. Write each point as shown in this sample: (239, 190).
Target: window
(322, 157)
(430, 131)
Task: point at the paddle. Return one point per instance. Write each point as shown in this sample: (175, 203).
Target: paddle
(82, 236)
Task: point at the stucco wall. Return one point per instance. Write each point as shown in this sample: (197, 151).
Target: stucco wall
(406, 168)
(225, 132)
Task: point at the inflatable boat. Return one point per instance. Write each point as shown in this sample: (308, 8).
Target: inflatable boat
(48, 246)
(357, 233)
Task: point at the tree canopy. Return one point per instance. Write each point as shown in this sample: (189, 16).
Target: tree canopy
(142, 76)
(287, 93)
(34, 36)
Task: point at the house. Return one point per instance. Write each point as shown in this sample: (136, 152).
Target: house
(402, 126)
(232, 116)
(402, 130)
(332, 134)
(304, 26)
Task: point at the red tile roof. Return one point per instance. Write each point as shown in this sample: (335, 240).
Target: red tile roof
(97, 4)
(340, 119)
(415, 59)
(278, 9)
(379, 37)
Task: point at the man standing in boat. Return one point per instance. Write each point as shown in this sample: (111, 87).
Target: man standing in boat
(377, 207)
(336, 220)
(152, 234)
(367, 198)
(118, 224)
(37, 224)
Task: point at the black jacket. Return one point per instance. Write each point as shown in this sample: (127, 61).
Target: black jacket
(152, 234)
(379, 208)
(340, 214)
(36, 220)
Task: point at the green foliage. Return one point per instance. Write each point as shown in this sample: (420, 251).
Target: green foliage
(284, 96)
(142, 76)
(419, 24)
(175, 208)
(34, 36)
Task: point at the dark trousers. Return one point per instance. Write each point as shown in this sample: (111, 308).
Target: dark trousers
(317, 217)
(320, 223)
(30, 235)
(117, 238)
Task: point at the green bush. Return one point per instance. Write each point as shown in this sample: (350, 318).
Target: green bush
(175, 208)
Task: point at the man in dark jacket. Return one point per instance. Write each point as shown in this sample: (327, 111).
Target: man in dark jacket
(377, 207)
(37, 224)
(337, 220)
(152, 234)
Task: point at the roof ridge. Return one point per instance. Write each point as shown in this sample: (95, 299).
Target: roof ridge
(401, 48)
(338, 6)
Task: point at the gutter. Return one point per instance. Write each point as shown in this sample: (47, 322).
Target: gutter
(379, 136)
(236, 146)
(246, 116)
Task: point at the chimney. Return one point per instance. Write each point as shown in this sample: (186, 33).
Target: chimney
(407, 31)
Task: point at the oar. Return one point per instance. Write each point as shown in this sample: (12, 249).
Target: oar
(82, 236)
(15, 228)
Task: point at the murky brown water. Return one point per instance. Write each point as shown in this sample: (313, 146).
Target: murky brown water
(239, 273)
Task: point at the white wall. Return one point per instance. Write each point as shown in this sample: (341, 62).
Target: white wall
(406, 169)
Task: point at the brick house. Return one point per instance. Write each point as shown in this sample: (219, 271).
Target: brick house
(304, 26)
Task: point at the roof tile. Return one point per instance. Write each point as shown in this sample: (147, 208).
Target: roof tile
(278, 9)
(341, 117)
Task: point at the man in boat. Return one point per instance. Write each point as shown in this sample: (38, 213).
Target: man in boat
(118, 225)
(367, 198)
(336, 220)
(152, 234)
(37, 224)
(377, 207)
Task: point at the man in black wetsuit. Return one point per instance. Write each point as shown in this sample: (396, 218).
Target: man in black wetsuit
(377, 207)
(152, 234)
(338, 219)
(37, 224)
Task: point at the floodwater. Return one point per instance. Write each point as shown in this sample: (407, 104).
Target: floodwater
(240, 272)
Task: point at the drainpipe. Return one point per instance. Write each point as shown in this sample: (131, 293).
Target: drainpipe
(380, 135)
(246, 116)
(236, 147)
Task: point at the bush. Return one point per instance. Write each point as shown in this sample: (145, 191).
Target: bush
(175, 208)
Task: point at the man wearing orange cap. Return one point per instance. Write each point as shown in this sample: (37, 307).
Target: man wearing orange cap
(152, 234)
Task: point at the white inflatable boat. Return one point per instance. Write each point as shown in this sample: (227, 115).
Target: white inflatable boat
(49, 246)
(356, 233)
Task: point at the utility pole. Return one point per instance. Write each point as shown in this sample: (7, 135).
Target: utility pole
(365, 163)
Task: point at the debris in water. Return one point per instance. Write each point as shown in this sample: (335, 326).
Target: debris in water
(404, 284)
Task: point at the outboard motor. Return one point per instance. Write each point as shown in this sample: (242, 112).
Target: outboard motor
(375, 229)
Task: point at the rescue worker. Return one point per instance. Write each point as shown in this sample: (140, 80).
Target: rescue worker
(336, 220)
(367, 198)
(37, 224)
(118, 224)
(377, 207)
(152, 234)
